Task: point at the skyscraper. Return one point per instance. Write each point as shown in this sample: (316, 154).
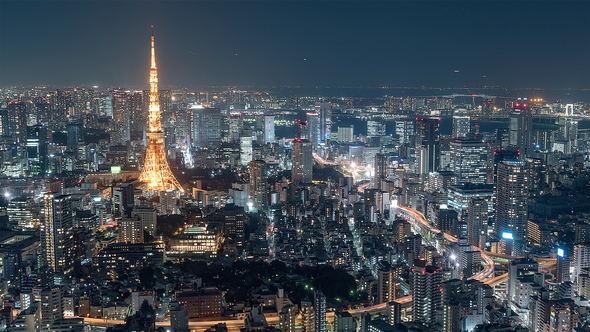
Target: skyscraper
(37, 150)
(325, 124)
(427, 296)
(469, 160)
(461, 123)
(121, 120)
(428, 142)
(380, 170)
(156, 171)
(74, 135)
(512, 198)
(521, 129)
(57, 236)
(258, 179)
(313, 128)
(404, 129)
(206, 124)
(269, 129)
(477, 221)
(320, 311)
(302, 158)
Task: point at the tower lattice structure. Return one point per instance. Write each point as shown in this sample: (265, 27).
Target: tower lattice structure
(156, 172)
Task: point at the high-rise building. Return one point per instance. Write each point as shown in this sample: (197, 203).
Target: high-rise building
(178, 317)
(258, 180)
(245, 150)
(477, 221)
(206, 123)
(387, 281)
(376, 128)
(512, 198)
(233, 223)
(121, 120)
(37, 150)
(287, 318)
(427, 296)
(469, 160)
(428, 140)
(404, 129)
(519, 268)
(156, 172)
(20, 213)
(344, 322)
(394, 312)
(149, 218)
(269, 129)
(130, 230)
(461, 123)
(52, 310)
(521, 129)
(302, 159)
(320, 311)
(380, 170)
(313, 128)
(74, 135)
(57, 236)
(325, 124)
(307, 316)
(16, 121)
(563, 266)
(581, 260)
(346, 134)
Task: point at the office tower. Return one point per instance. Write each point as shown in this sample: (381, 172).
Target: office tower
(258, 179)
(380, 170)
(121, 133)
(387, 281)
(245, 150)
(149, 218)
(512, 198)
(452, 316)
(344, 322)
(123, 199)
(521, 129)
(563, 266)
(477, 221)
(581, 260)
(346, 134)
(376, 128)
(325, 121)
(469, 160)
(427, 297)
(57, 236)
(233, 223)
(206, 127)
(165, 98)
(51, 307)
(287, 318)
(404, 129)
(570, 131)
(428, 142)
(313, 128)
(4, 123)
(37, 150)
(156, 172)
(17, 121)
(307, 316)
(74, 135)
(446, 220)
(20, 213)
(519, 268)
(394, 312)
(137, 110)
(302, 159)
(320, 311)
(461, 123)
(130, 230)
(178, 317)
(28, 320)
(269, 129)
(498, 157)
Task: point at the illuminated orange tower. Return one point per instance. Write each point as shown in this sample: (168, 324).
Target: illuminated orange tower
(156, 172)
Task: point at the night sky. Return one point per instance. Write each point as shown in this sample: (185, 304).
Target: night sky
(513, 44)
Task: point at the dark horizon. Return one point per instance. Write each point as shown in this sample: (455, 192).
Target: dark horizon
(335, 44)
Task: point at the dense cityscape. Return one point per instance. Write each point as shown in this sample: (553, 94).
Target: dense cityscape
(293, 208)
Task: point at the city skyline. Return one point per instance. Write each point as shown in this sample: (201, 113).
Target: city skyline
(258, 43)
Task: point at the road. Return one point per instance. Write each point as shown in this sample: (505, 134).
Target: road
(418, 217)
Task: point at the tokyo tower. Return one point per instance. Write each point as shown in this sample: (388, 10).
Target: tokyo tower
(156, 172)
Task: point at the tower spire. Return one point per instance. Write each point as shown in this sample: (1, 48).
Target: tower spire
(156, 171)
